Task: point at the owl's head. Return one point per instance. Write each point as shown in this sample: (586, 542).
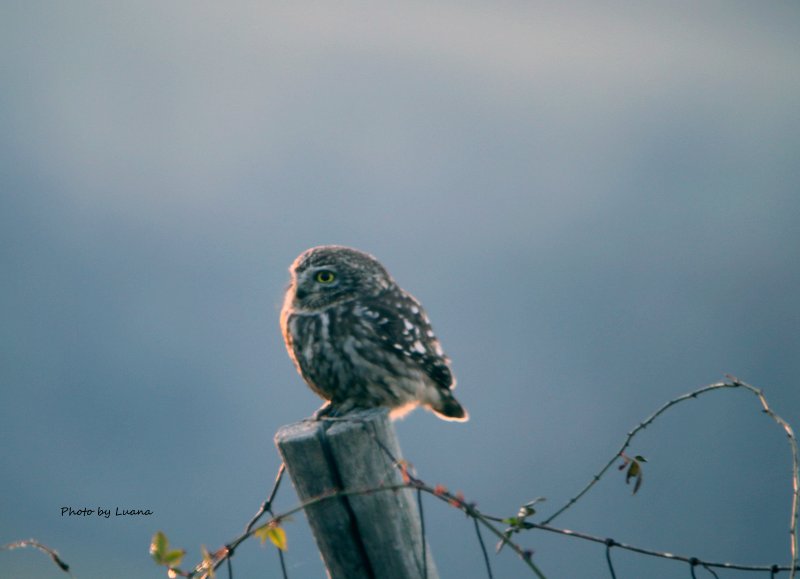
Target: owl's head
(330, 274)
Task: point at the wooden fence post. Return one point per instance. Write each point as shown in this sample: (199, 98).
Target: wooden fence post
(371, 536)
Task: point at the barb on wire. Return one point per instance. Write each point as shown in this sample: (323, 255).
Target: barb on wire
(694, 562)
(266, 506)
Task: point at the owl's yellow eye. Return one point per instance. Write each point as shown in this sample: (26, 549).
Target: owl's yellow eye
(325, 276)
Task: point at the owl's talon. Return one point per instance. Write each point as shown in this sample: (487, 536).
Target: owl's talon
(323, 412)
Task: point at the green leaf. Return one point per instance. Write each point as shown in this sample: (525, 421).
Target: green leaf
(162, 555)
(274, 533)
(173, 558)
(633, 471)
(278, 537)
(158, 547)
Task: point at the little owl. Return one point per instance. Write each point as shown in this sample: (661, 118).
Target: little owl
(360, 341)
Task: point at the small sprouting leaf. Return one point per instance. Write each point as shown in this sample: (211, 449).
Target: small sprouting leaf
(261, 532)
(173, 558)
(158, 547)
(278, 537)
(208, 563)
(440, 490)
(638, 483)
(162, 554)
(633, 471)
(275, 533)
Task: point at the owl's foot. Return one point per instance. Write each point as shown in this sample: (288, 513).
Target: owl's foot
(325, 411)
(335, 412)
(332, 412)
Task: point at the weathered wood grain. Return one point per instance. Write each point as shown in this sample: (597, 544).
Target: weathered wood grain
(376, 535)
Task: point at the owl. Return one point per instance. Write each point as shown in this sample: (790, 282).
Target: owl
(361, 341)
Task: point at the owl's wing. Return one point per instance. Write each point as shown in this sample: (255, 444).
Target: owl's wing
(403, 328)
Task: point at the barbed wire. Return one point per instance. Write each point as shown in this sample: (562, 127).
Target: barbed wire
(481, 518)
(515, 525)
(504, 528)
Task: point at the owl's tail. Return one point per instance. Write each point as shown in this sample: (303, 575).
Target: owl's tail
(448, 408)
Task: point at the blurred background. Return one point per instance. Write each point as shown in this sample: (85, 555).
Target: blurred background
(598, 206)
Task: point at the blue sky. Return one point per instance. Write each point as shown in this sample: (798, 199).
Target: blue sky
(597, 205)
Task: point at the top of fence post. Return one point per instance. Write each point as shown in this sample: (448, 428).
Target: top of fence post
(363, 535)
